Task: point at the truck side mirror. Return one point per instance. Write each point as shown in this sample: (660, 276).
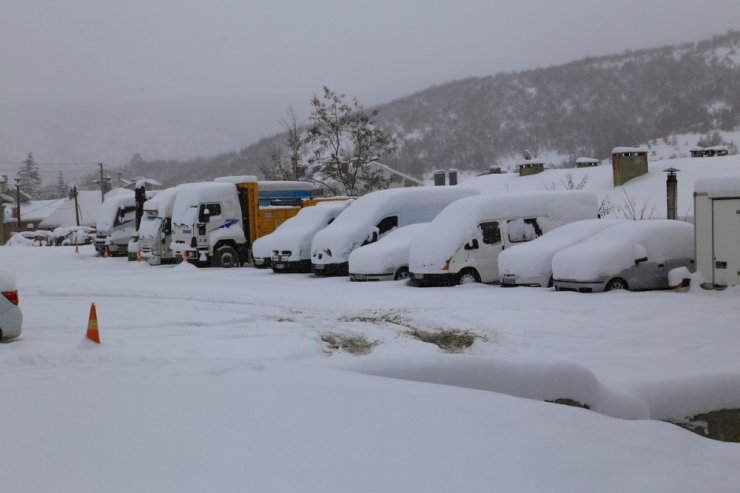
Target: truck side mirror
(640, 260)
(472, 245)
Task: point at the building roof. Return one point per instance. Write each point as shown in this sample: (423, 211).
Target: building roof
(88, 202)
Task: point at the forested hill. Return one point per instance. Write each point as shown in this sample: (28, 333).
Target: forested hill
(583, 108)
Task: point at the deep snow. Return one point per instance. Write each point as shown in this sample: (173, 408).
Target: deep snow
(217, 380)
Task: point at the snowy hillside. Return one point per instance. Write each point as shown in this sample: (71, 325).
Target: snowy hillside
(646, 194)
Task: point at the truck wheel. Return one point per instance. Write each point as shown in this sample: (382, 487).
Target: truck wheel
(226, 256)
(402, 273)
(468, 276)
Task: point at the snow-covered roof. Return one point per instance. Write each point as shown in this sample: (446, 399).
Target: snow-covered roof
(586, 160)
(728, 186)
(629, 150)
(34, 210)
(88, 203)
(236, 179)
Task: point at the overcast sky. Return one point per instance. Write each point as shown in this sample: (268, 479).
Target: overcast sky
(271, 53)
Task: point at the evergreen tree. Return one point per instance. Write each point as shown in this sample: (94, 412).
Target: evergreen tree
(61, 189)
(30, 177)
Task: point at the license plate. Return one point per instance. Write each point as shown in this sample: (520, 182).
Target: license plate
(508, 280)
(279, 266)
(360, 277)
(259, 261)
(318, 266)
(418, 276)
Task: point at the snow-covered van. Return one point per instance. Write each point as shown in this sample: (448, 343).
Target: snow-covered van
(155, 230)
(373, 215)
(463, 242)
(116, 222)
(288, 248)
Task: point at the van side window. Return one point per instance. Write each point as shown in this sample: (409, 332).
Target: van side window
(520, 230)
(491, 233)
(386, 224)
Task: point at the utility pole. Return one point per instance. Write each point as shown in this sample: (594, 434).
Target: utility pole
(18, 202)
(102, 183)
(77, 207)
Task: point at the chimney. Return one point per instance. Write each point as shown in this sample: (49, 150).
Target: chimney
(439, 178)
(452, 177)
(671, 184)
(628, 163)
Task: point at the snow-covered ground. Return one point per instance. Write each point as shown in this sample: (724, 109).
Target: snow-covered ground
(219, 380)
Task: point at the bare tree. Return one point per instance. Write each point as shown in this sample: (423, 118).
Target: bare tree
(290, 166)
(345, 139)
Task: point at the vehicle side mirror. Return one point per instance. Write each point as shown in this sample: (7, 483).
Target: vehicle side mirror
(472, 245)
(640, 260)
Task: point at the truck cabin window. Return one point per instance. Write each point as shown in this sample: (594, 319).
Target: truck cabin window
(125, 215)
(521, 230)
(491, 233)
(208, 211)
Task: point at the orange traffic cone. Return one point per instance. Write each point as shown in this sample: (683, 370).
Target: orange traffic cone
(138, 256)
(185, 256)
(92, 325)
(105, 252)
(77, 248)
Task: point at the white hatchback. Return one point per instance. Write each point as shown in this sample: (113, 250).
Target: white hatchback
(11, 318)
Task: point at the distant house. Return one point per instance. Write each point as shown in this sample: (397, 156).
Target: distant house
(9, 196)
(586, 162)
(709, 151)
(628, 163)
(32, 213)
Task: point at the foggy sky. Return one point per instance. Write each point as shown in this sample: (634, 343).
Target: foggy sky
(268, 54)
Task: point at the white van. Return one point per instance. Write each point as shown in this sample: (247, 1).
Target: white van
(373, 215)
(462, 244)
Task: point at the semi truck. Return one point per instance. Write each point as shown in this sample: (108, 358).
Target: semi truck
(215, 223)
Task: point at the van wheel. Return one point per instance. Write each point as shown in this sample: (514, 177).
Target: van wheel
(226, 256)
(401, 274)
(616, 284)
(468, 276)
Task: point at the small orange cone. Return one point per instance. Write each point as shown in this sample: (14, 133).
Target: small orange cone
(138, 256)
(105, 252)
(92, 325)
(77, 248)
(185, 256)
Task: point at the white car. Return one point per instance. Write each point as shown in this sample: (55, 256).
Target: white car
(387, 259)
(11, 318)
(636, 255)
(530, 264)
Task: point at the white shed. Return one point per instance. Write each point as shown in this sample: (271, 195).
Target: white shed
(717, 231)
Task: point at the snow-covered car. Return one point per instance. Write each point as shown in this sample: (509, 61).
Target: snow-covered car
(23, 238)
(387, 259)
(636, 255)
(290, 244)
(42, 237)
(530, 264)
(11, 318)
(73, 235)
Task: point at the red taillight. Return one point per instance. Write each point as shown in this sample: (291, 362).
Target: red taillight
(12, 296)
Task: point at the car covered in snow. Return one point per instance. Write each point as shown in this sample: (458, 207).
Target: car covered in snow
(22, 238)
(530, 264)
(372, 216)
(288, 248)
(73, 235)
(463, 242)
(11, 318)
(636, 255)
(386, 259)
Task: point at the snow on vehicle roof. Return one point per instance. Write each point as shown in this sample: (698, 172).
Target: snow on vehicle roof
(534, 258)
(162, 202)
(350, 228)
(109, 209)
(614, 249)
(586, 160)
(388, 253)
(191, 194)
(458, 223)
(236, 179)
(299, 228)
(726, 186)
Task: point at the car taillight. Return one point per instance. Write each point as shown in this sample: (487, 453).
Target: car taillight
(12, 296)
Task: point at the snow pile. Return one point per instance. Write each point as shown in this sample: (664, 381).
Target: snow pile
(295, 234)
(358, 223)
(617, 248)
(531, 263)
(458, 223)
(387, 255)
(7, 280)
